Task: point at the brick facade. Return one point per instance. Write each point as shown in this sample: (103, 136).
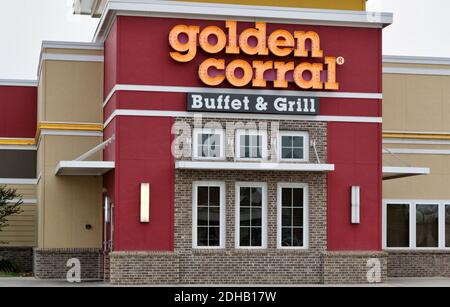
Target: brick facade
(235, 266)
(317, 132)
(52, 263)
(353, 267)
(419, 264)
(21, 256)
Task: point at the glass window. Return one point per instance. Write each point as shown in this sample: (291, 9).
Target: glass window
(398, 225)
(292, 147)
(427, 225)
(208, 211)
(447, 226)
(251, 211)
(292, 222)
(251, 146)
(208, 143)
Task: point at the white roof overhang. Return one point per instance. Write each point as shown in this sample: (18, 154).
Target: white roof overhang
(83, 168)
(391, 172)
(248, 13)
(251, 166)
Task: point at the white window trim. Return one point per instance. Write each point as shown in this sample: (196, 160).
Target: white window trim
(303, 134)
(195, 143)
(413, 222)
(305, 187)
(195, 186)
(264, 214)
(264, 150)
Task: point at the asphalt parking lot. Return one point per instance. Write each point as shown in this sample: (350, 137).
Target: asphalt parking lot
(395, 282)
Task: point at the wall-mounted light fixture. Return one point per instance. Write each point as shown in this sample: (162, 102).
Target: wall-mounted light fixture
(145, 202)
(107, 207)
(356, 205)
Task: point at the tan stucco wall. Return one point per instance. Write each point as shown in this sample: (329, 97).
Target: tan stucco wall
(68, 203)
(433, 186)
(417, 103)
(70, 92)
(357, 5)
(420, 104)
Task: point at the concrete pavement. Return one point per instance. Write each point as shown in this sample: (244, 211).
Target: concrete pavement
(394, 282)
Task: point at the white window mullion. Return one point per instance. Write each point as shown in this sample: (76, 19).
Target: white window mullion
(412, 228)
(442, 225)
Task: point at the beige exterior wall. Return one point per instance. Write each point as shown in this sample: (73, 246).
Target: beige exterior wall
(419, 106)
(357, 5)
(70, 93)
(21, 229)
(417, 103)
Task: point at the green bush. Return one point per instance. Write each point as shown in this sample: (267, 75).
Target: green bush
(8, 266)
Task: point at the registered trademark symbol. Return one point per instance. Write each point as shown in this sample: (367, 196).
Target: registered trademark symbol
(340, 60)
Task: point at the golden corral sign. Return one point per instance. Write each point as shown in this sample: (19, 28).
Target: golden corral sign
(185, 41)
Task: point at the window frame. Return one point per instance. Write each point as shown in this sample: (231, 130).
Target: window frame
(413, 203)
(264, 145)
(196, 143)
(303, 134)
(305, 188)
(222, 226)
(264, 206)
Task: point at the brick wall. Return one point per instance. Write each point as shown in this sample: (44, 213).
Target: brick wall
(21, 256)
(52, 263)
(317, 131)
(353, 267)
(419, 264)
(232, 266)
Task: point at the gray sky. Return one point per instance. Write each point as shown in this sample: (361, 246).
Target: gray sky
(25, 23)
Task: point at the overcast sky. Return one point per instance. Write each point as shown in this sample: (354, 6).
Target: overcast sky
(420, 28)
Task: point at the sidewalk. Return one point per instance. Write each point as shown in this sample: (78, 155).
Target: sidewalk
(394, 282)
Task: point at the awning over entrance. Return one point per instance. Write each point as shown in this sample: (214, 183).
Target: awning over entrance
(80, 167)
(83, 168)
(391, 172)
(248, 166)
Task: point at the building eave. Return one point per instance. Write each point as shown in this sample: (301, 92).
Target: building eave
(249, 13)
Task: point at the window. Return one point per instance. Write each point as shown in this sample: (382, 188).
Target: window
(398, 225)
(209, 144)
(18, 164)
(447, 226)
(293, 146)
(292, 215)
(251, 144)
(427, 226)
(251, 215)
(208, 212)
(416, 225)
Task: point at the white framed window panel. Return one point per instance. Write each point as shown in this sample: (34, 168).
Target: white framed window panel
(413, 206)
(295, 134)
(241, 133)
(263, 187)
(305, 189)
(222, 211)
(212, 135)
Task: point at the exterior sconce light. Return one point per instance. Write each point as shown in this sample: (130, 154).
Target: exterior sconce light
(356, 205)
(107, 210)
(145, 202)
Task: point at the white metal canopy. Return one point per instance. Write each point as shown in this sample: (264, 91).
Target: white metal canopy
(80, 167)
(249, 166)
(83, 168)
(391, 172)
